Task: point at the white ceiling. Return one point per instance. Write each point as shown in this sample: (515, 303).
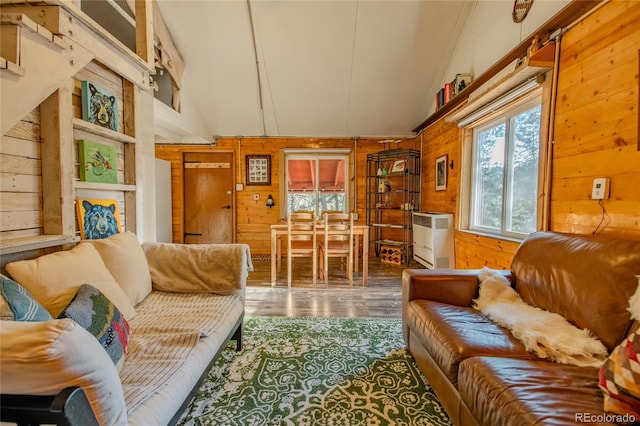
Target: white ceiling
(328, 68)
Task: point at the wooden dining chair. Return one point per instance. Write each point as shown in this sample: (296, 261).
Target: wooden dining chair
(302, 241)
(337, 242)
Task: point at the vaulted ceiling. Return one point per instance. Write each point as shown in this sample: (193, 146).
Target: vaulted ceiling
(320, 68)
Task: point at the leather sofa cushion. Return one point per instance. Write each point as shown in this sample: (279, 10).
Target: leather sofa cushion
(503, 391)
(587, 279)
(453, 333)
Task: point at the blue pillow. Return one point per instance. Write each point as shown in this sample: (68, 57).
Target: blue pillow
(22, 304)
(94, 311)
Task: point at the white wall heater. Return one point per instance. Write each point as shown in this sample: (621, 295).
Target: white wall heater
(433, 244)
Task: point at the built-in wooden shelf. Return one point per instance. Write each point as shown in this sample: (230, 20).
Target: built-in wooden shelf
(104, 186)
(545, 56)
(80, 124)
(15, 245)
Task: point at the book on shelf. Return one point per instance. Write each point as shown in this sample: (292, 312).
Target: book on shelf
(461, 81)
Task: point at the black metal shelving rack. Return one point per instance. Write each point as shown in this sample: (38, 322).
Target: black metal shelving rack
(390, 207)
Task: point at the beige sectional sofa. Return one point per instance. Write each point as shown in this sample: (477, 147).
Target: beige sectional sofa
(182, 305)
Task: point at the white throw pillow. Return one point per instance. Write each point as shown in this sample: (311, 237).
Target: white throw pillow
(54, 279)
(126, 261)
(43, 358)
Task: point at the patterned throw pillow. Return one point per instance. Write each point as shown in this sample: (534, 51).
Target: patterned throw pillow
(95, 312)
(620, 378)
(23, 306)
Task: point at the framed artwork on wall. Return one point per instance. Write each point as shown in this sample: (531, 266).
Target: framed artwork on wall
(98, 162)
(99, 106)
(98, 219)
(441, 173)
(258, 169)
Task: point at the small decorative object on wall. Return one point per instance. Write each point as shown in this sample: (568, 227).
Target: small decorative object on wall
(520, 10)
(98, 218)
(258, 169)
(441, 173)
(98, 162)
(398, 166)
(99, 106)
(460, 82)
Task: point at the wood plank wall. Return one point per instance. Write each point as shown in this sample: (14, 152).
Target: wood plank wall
(253, 218)
(596, 135)
(21, 179)
(596, 127)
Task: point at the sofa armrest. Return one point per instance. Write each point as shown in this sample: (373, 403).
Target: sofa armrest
(208, 268)
(69, 407)
(452, 286)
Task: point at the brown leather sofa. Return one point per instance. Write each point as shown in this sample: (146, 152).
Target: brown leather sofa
(480, 372)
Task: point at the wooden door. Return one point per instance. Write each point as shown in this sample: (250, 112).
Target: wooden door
(208, 198)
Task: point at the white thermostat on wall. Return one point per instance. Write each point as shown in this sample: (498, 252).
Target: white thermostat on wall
(600, 189)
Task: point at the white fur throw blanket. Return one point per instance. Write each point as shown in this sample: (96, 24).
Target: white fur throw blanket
(544, 333)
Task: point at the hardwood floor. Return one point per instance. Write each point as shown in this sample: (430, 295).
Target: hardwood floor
(380, 299)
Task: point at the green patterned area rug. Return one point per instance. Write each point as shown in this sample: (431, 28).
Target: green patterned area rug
(317, 371)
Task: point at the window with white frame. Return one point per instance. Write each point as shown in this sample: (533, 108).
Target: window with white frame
(317, 181)
(504, 172)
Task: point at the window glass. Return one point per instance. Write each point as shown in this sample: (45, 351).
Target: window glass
(316, 182)
(505, 173)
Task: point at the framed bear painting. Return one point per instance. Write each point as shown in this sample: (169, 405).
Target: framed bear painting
(98, 219)
(99, 106)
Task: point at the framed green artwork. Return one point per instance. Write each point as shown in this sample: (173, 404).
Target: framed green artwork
(98, 162)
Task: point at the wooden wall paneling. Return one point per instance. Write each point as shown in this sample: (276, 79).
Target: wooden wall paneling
(253, 218)
(441, 139)
(21, 220)
(14, 182)
(19, 165)
(57, 171)
(28, 128)
(475, 251)
(596, 126)
(21, 147)
(17, 201)
(20, 180)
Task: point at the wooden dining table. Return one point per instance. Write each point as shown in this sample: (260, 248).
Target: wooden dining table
(278, 230)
